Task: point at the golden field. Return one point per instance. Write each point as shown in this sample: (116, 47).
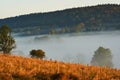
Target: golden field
(21, 68)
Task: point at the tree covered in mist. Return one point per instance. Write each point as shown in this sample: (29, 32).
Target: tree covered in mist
(37, 53)
(7, 42)
(102, 57)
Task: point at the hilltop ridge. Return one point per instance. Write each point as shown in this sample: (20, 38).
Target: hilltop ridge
(91, 18)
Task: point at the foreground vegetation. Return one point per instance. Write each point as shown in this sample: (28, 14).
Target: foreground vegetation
(20, 68)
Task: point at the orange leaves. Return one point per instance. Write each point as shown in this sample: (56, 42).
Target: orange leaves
(28, 68)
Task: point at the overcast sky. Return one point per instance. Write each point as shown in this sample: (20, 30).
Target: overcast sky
(10, 8)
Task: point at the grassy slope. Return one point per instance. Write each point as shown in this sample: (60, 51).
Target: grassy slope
(20, 68)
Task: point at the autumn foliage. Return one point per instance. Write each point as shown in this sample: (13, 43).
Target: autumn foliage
(20, 68)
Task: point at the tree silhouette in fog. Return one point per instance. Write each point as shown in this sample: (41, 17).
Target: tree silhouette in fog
(7, 42)
(102, 57)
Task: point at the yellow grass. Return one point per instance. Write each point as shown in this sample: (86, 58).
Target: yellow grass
(20, 68)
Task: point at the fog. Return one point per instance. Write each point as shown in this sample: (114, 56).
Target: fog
(74, 47)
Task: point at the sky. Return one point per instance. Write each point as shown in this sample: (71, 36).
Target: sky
(11, 8)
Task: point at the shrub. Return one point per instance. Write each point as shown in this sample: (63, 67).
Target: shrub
(37, 53)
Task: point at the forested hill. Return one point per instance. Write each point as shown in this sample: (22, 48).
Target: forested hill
(93, 18)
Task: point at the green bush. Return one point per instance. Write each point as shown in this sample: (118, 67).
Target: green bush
(37, 53)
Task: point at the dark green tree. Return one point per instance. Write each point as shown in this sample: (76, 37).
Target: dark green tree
(7, 42)
(102, 57)
(37, 53)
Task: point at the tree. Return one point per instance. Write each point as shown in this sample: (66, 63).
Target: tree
(79, 27)
(62, 30)
(53, 31)
(7, 42)
(37, 53)
(102, 57)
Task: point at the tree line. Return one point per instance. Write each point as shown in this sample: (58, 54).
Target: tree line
(94, 18)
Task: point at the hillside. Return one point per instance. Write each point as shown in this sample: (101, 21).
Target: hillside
(93, 18)
(20, 68)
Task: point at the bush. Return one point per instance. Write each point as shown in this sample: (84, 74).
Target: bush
(37, 53)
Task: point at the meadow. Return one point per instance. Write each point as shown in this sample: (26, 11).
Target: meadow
(22, 68)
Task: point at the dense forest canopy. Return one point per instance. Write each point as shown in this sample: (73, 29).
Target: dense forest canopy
(94, 18)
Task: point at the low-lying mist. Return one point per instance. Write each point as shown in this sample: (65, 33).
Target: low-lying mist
(75, 47)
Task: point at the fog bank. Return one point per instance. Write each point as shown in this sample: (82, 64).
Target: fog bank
(75, 47)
